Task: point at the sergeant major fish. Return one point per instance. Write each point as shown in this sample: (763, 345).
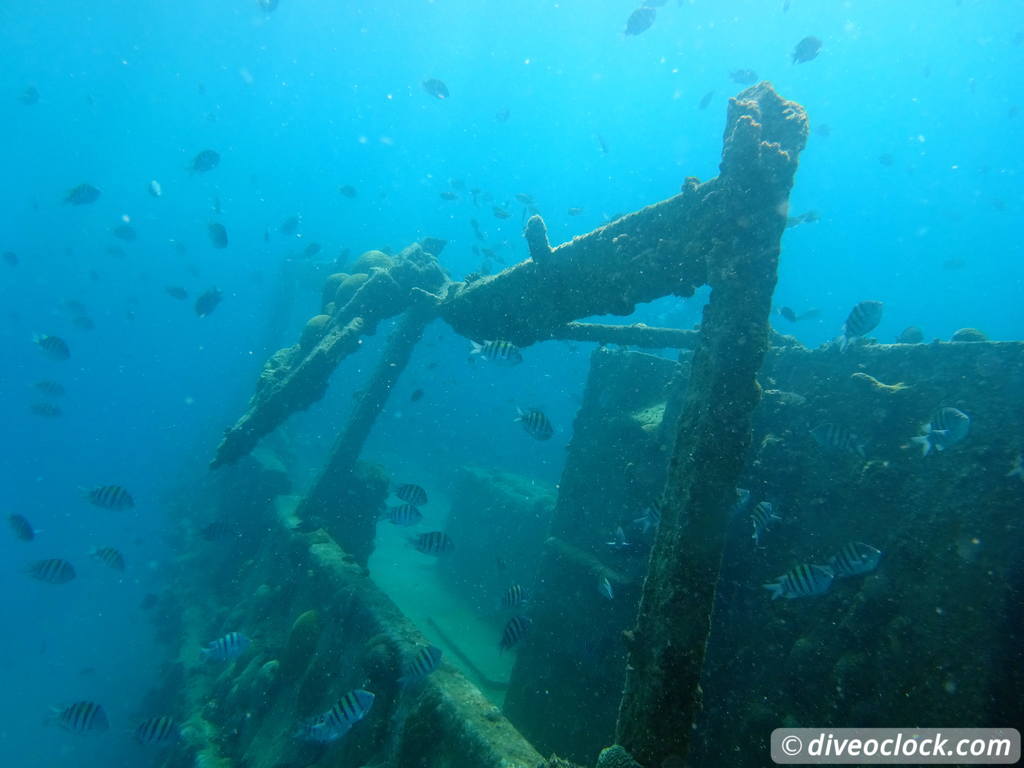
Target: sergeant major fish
(853, 559)
(535, 423)
(497, 351)
(54, 347)
(157, 730)
(425, 661)
(336, 721)
(515, 629)
(947, 427)
(113, 497)
(22, 528)
(837, 437)
(433, 543)
(640, 20)
(802, 581)
(83, 194)
(208, 301)
(109, 556)
(863, 318)
(81, 717)
(763, 519)
(411, 493)
(226, 648)
(404, 515)
(514, 596)
(52, 571)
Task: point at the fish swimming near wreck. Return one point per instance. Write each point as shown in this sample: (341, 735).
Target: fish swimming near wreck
(806, 50)
(947, 427)
(863, 318)
(640, 20)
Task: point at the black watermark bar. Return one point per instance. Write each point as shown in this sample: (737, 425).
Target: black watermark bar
(893, 746)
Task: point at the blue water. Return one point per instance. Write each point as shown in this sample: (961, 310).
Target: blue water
(322, 94)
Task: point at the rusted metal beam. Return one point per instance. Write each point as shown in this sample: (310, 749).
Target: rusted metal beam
(742, 215)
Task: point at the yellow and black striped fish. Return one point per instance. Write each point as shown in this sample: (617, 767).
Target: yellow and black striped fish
(22, 527)
(110, 497)
(497, 351)
(109, 556)
(514, 631)
(51, 571)
(433, 543)
(422, 664)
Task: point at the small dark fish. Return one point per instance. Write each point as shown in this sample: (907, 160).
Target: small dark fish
(290, 226)
(417, 394)
(855, 558)
(22, 527)
(110, 557)
(347, 190)
(52, 571)
(113, 497)
(640, 20)
(176, 292)
(802, 581)
(29, 96)
(82, 716)
(886, 159)
(705, 100)
(947, 427)
(808, 217)
(83, 194)
(433, 543)
(157, 730)
(448, 195)
(425, 661)
(54, 347)
(837, 437)
(436, 88)
(910, 335)
(218, 234)
(11, 258)
(83, 323)
(743, 76)
(218, 530)
(208, 301)
(411, 493)
(863, 318)
(125, 232)
(205, 161)
(515, 629)
(806, 49)
(502, 115)
(499, 212)
(574, 211)
(46, 410)
(789, 314)
(524, 198)
(226, 648)
(311, 250)
(536, 424)
(824, 130)
(514, 596)
(404, 515)
(497, 351)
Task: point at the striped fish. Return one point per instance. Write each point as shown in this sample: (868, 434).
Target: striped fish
(22, 527)
(863, 318)
(803, 581)
(425, 661)
(157, 730)
(54, 347)
(405, 515)
(433, 543)
(514, 596)
(412, 494)
(763, 518)
(52, 571)
(947, 427)
(853, 559)
(226, 648)
(836, 437)
(535, 423)
(110, 497)
(515, 629)
(335, 722)
(81, 717)
(110, 557)
(498, 351)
